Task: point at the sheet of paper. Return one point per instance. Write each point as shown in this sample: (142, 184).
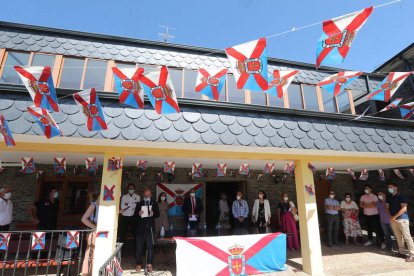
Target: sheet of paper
(193, 218)
(145, 209)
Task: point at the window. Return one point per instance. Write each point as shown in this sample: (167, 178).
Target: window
(43, 60)
(329, 103)
(9, 75)
(258, 98)
(235, 95)
(122, 65)
(311, 97)
(176, 76)
(276, 101)
(95, 74)
(75, 199)
(295, 96)
(190, 80)
(72, 71)
(343, 102)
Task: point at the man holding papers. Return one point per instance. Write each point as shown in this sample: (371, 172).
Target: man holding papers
(192, 209)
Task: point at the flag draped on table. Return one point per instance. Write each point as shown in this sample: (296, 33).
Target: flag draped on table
(45, 121)
(280, 81)
(337, 83)
(197, 170)
(210, 82)
(244, 169)
(59, 165)
(91, 166)
(28, 165)
(169, 167)
(221, 169)
(364, 175)
(160, 91)
(393, 104)
(127, 85)
(269, 168)
(176, 193)
(91, 106)
(38, 81)
(387, 88)
(406, 110)
(337, 36)
(249, 64)
(6, 133)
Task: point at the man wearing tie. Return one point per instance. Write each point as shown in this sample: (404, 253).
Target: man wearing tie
(192, 209)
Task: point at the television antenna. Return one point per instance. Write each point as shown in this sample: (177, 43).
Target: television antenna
(165, 36)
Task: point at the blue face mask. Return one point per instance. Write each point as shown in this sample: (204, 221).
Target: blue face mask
(391, 190)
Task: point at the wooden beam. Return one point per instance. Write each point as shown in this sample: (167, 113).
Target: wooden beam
(109, 78)
(57, 67)
(351, 101)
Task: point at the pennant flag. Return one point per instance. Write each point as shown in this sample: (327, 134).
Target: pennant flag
(351, 173)
(210, 82)
(381, 175)
(4, 241)
(330, 174)
(269, 168)
(392, 105)
(176, 193)
(91, 166)
(28, 165)
(411, 171)
(109, 193)
(114, 163)
(244, 169)
(45, 121)
(309, 189)
(249, 64)
(407, 110)
(280, 81)
(221, 169)
(72, 239)
(169, 167)
(38, 81)
(38, 240)
(142, 165)
(364, 175)
(117, 266)
(102, 234)
(387, 88)
(91, 106)
(337, 83)
(160, 91)
(6, 133)
(289, 168)
(127, 85)
(337, 36)
(312, 168)
(59, 165)
(398, 173)
(197, 170)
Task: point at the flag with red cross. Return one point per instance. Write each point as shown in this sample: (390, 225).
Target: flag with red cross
(364, 175)
(381, 175)
(392, 105)
(45, 121)
(128, 87)
(59, 165)
(109, 193)
(38, 81)
(114, 163)
(280, 81)
(6, 133)
(330, 174)
(91, 106)
(169, 167)
(338, 35)
(249, 64)
(28, 165)
(269, 168)
(38, 240)
(91, 166)
(337, 83)
(4, 241)
(142, 165)
(210, 82)
(289, 168)
(72, 239)
(351, 173)
(197, 170)
(406, 110)
(387, 88)
(244, 169)
(221, 169)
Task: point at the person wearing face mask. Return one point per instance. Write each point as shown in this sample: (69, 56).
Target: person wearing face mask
(350, 211)
(6, 209)
(240, 211)
(372, 221)
(332, 217)
(397, 206)
(162, 220)
(384, 220)
(223, 207)
(45, 211)
(261, 212)
(287, 221)
(192, 208)
(127, 210)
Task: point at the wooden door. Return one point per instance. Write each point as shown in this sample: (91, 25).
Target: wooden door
(322, 188)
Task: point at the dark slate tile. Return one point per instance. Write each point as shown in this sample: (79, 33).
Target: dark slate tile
(260, 122)
(352, 137)
(381, 132)
(277, 141)
(191, 117)
(84, 132)
(228, 138)
(163, 123)
(78, 118)
(399, 141)
(360, 146)
(290, 124)
(388, 140)
(261, 140)
(276, 123)
(236, 129)
(60, 117)
(122, 121)
(69, 108)
(253, 130)
(410, 142)
(292, 142)
(12, 114)
(284, 132)
(365, 138)
(201, 126)
(345, 129)
(305, 126)
(244, 121)
(152, 114)
(245, 139)
(358, 130)
(298, 133)
(29, 117)
(332, 128)
(68, 128)
(181, 125)
(171, 134)
(320, 127)
(36, 130)
(373, 147)
(404, 135)
(209, 118)
(340, 136)
(393, 133)
(334, 144)
(112, 132)
(377, 139)
(347, 145)
(218, 127)
(327, 135)
(190, 135)
(209, 137)
(307, 143)
(269, 131)
(133, 113)
(395, 148)
(313, 134)
(5, 103)
(173, 116)
(370, 131)
(142, 122)
(151, 133)
(321, 144)
(227, 119)
(385, 147)
(407, 149)
(20, 126)
(131, 132)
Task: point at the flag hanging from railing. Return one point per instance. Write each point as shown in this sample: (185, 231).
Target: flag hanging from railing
(45, 121)
(337, 83)
(38, 240)
(114, 163)
(128, 87)
(269, 168)
(221, 169)
(91, 106)
(364, 175)
(244, 169)
(59, 165)
(280, 81)
(338, 35)
(381, 175)
(330, 174)
(72, 239)
(392, 105)
(6, 133)
(91, 165)
(289, 168)
(399, 174)
(197, 170)
(351, 173)
(210, 82)
(387, 88)
(28, 165)
(142, 165)
(4, 241)
(169, 167)
(311, 167)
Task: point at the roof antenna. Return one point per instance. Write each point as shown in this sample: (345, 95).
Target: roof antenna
(166, 35)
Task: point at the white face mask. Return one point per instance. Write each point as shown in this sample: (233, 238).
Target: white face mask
(285, 198)
(391, 190)
(331, 196)
(56, 195)
(347, 199)
(131, 191)
(367, 191)
(380, 197)
(163, 198)
(7, 195)
(192, 194)
(238, 197)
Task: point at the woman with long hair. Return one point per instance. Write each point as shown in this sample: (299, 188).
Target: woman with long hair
(287, 222)
(261, 212)
(162, 220)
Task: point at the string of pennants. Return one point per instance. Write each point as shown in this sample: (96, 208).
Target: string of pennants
(248, 62)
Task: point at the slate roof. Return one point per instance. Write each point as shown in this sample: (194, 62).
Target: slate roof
(71, 43)
(225, 124)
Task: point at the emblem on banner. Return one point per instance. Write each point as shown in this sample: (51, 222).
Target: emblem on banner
(179, 197)
(4, 240)
(269, 167)
(108, 193)
(72, 239)
(236, 260)
(38, 240)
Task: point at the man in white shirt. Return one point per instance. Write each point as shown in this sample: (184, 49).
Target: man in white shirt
(6, 209)
(127, 210)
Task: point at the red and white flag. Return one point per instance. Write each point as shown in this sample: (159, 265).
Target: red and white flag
(387, 88)
(197, 170)
(59, 165)
(169, 167)
(128, 87)
(280, 81)
(269, 168)
(351, 173)
(244, 169)
(28, 165)
(91, 165)
(398, 173)
(221, 169)
(88, 100)
(364, 175)
(289, 168)
(381, 175)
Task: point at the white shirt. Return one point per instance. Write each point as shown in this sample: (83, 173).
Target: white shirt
(128, 203)
(255, 211)
(6, 211)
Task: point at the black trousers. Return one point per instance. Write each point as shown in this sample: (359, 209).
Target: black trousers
(145, 241)
(125, 224)
(373, 225)
(5, 227)
(333, 228)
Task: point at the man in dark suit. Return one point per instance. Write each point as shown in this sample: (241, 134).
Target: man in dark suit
(192, 209)
(145, 212)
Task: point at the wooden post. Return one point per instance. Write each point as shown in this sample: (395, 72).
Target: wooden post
(308, 220)
(108, 214)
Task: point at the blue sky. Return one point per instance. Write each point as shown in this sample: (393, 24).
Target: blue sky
(223, 23)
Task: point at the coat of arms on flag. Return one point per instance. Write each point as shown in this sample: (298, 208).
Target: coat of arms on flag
(289, 168)
(142, 165)
(72, 239)
(269, 168)
(364, 175)
(387, 88)
(176, 193)
(169, 167)
(310, 190)
(117, 266)
(330, 174)
(311, 167)
(407, 110)
(38, 240)
(38, 81)
(91, 106)
(5, 132)
(249, 64)
(338, 35)
(221, 169)
(197, 170)
(59, 165)
(4, 241)
(108, 193)
(91, 166)
(381, 175)
(351, 173)
(244, 169)
(28, 165)
(398, 173)
(280, 81)
(160, 91)
(210, 82)
(392, 105)
(128, 87)
(45, 121)
(337, 83)
(114, 163)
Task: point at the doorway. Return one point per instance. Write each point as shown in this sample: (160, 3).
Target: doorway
(213, 192)
(322, 188)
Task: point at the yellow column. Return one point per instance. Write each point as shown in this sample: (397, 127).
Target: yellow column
(308, 220)
(108, 214)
